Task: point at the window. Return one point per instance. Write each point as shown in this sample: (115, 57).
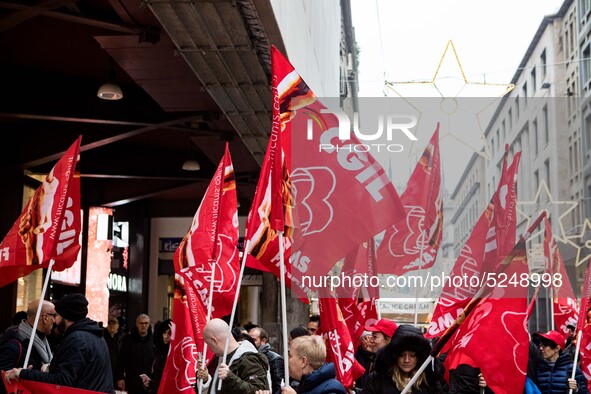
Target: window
(547, 171)
(536, 180)
(510, 117)
(533, 80)
(535, 136)
(543, 64)
(587, 143)
(502, 140)
(517, 108)
(586, 63)
(545, 125)
(524, 93)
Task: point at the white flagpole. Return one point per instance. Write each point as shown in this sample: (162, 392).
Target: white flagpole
(233, 314)
(38, 314)
(378, 307)
(572, 375)
(419, 274)
(552, 308)
(283, 310)
(209, 308)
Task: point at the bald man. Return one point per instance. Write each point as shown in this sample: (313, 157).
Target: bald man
(246, 370)
(15, 341)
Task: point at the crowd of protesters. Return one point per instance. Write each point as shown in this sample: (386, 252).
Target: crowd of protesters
(107, 359)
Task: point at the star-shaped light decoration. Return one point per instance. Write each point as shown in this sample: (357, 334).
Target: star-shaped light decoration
(582, 243)
(460, 119)
(546, 203)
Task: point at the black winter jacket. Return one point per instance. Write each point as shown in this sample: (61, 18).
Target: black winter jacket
(321, 381)
(13, 350)
(276, 367)
(552, 379)
(136, 358)
(81, 361)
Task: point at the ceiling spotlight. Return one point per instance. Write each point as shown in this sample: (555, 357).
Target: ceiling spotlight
(191, 165)
(110, 90)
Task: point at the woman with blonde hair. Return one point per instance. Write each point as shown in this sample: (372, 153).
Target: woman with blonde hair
(399, 361)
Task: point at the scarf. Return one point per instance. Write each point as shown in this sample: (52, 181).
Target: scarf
(41, 345)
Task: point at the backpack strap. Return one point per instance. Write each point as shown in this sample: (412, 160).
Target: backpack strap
(20, 352)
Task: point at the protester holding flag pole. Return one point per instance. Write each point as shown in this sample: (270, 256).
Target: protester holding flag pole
(482, 293)
(206, 268)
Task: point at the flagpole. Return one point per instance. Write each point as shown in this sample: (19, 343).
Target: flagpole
(378, 309)
(419, 273)
(233, 314)
(38, 314)
(480, 294)
(572, 375)
(552, 308)
(209, 308)
(283, 309)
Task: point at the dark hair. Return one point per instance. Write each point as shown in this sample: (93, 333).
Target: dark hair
(249, 326)
(19, 317)
(298, 331)
(315, 319)
(239, 335)
(262, 333)
(159, 345)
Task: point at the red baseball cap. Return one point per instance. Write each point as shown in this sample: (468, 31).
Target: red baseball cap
(385, 326)
(553, 336)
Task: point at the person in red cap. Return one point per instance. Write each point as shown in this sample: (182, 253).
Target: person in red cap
(555, 367)
(382, 332)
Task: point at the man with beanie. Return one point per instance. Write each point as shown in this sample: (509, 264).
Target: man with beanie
(366, 356)
(82, 360)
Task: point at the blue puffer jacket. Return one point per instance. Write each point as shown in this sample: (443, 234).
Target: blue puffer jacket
(321, 381)
(552, 379)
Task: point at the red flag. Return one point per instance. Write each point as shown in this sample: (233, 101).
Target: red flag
(357, 303)
(419, 234)
(212, 240)
(209, 246)
(186, 343)
(31, 387)
(49, 226)
(480, 255)
(566, 311)
(340, 349)
(501, 315)
(337, 202)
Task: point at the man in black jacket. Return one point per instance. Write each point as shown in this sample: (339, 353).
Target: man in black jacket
(136, 357)
(82, 360)
(276, 363)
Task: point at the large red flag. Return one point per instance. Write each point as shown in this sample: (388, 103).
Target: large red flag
(210, 247)
(501, 315)
(211, 243)
(566, 311)
(338, 200)
(340, 348)
(49, 226)
(31, 387)
(419, 234)
(488, 244)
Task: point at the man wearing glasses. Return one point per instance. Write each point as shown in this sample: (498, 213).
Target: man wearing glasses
(82, 359)
(15, 341)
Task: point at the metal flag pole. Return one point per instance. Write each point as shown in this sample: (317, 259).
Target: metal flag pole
(283, 309)
(233, 314)
(419, 274)
(209, 308)
(572, 375)
(38, 314)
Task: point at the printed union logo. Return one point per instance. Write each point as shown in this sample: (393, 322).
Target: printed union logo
(389, 125)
